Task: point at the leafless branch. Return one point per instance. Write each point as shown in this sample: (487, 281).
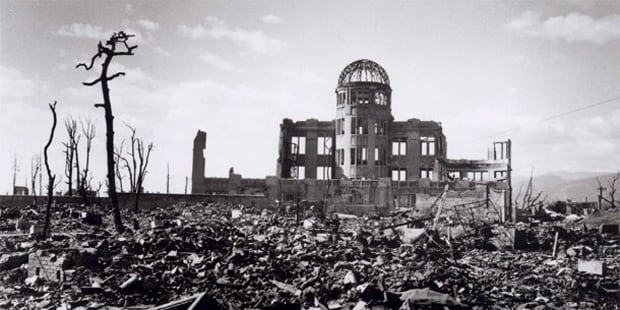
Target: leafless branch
(92, 60)
(92, 83)
(116, 75)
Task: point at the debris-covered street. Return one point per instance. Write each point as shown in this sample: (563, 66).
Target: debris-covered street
(243, 258)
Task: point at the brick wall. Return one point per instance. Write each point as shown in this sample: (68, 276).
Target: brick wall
(48, 265)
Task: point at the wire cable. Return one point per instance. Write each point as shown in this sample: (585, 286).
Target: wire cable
(552, 117)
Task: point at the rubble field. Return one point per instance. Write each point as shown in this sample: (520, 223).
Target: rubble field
(241, 258)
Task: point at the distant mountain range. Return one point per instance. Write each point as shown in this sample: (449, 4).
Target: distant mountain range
(576, 186)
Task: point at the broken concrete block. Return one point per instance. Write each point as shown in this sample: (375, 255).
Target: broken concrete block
(235, 214)
(133, 279)
(308, 224)
(31, 280)
(410, 235)
(36, 229)
(590, 266)
(612, 229)
(350, 278)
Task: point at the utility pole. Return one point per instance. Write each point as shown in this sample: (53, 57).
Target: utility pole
(600, 195)
(40, 175)
(14, 173)
(186, 180)
(167, 178)
(512, 208)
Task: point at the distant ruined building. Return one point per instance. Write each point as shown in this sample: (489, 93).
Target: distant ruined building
(362, 158)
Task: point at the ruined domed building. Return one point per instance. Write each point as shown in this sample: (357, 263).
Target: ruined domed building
(363, 141)
(363, 157)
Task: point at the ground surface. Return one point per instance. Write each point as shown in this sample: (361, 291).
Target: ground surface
(262, 259)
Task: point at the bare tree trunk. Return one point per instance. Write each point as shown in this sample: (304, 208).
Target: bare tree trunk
(117, 168)
(34, 170)
(108, 52)
(70, 153)
(611, 191)
(50, 184)
(136, 168)
(109, 125)
(84, 184)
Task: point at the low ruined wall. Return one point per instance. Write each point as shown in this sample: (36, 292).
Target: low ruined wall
(153, 201)
(24, 201)
(357, 209)
(467, 206)
(147, 201)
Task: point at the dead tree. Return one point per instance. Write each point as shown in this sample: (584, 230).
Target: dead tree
(35, 166)
(530, 199)
(117, 167)
(84, 180)
(136, 161)
(50, 177)
(70, 152)
(108, 51)
(611, 191)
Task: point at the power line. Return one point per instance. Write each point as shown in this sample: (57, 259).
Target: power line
(552, 117)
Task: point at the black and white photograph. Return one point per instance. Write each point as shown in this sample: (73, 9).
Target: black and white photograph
(326, 155)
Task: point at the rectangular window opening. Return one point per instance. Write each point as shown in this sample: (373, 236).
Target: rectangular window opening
(427, 146)
(324, 145)
(298, 172)
(323, 173)
(399, 174)
(298, 145)
(399, 147)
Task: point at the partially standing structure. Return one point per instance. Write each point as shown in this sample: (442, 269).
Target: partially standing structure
(362, 156)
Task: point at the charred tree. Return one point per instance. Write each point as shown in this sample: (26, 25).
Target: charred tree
(136, 162)
(108, 51)
(50, 177)
(530, 200)
(70, 152)
(611, 191)
(117, 167)
(84, 184)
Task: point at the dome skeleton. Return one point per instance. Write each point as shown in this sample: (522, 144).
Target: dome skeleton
(363, 70)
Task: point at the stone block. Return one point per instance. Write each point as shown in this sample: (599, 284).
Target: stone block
(590, 266)
(36, 229)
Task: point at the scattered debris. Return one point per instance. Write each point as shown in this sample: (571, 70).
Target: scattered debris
(192, 256)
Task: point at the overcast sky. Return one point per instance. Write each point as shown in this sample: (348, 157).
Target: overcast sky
(486, 70)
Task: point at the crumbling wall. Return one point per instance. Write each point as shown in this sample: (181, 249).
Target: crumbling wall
(155, 201)
(24, 201)
(49, 265)
(198, 162)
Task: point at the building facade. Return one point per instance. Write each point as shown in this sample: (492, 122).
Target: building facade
(362, 157)
(363, 141)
